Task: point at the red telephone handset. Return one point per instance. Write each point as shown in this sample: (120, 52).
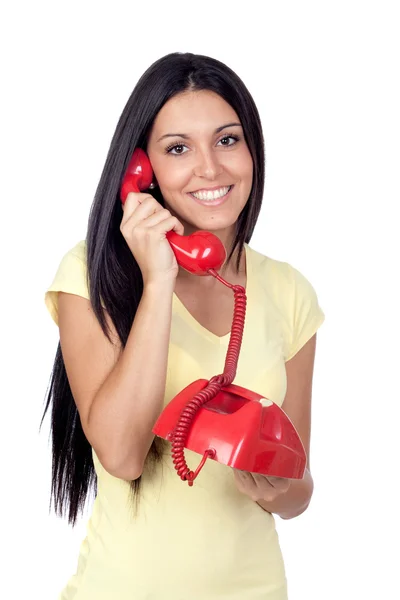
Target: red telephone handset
(215, 418)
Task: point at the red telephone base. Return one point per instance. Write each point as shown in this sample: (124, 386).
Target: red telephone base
(246, 431)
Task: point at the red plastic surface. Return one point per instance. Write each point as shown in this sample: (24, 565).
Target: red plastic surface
(198, 252)
(244, 434)
(138, 175)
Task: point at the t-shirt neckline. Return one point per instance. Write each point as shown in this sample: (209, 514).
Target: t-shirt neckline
(181, 309)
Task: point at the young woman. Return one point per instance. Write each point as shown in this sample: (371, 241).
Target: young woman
(135, 329)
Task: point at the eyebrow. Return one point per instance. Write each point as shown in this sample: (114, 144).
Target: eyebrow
(186, 137)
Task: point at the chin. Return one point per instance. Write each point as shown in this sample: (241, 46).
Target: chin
(213, 225)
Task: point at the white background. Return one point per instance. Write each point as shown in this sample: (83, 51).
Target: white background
(325, 77)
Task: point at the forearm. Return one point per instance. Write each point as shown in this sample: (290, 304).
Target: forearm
(131, 398)
(293, 502)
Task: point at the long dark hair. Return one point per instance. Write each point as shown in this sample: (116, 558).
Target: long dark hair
(114, 277)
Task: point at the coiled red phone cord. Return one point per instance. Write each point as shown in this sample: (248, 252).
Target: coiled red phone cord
(215, 384)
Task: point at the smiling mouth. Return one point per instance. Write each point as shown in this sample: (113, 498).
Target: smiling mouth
(211, 195)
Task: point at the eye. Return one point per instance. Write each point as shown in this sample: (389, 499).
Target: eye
(176, 149)
(229, 140)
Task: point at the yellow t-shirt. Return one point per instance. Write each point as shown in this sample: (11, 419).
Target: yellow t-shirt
(209, 541)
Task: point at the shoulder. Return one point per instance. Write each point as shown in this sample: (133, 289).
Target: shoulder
(78, 251)
(73, 264)
(74, 258)
(293, 296)
(70, 277)
(272, 272)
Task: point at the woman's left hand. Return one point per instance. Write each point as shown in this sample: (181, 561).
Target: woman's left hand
(260, 487)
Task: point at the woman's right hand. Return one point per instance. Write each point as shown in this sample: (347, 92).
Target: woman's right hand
(144, 226)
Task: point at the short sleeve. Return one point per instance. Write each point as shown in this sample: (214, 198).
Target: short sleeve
(70, 277)
(306, 314)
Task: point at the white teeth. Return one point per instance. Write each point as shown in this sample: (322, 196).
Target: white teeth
(211, 195)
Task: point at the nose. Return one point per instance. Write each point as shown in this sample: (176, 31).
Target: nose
(207, 165)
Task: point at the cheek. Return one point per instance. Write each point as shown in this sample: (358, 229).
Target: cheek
(166, 171)
(248, 167)
(171, 178)
(242, 166)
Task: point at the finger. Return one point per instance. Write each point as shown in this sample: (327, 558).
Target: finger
(145, 213)
(155, 218)
(170, 224)
(247, 485)
(262, 480)
(277, 483)
(132, 201)
(139, 218)
(245, 478)
(139, 208)
(265, 489)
